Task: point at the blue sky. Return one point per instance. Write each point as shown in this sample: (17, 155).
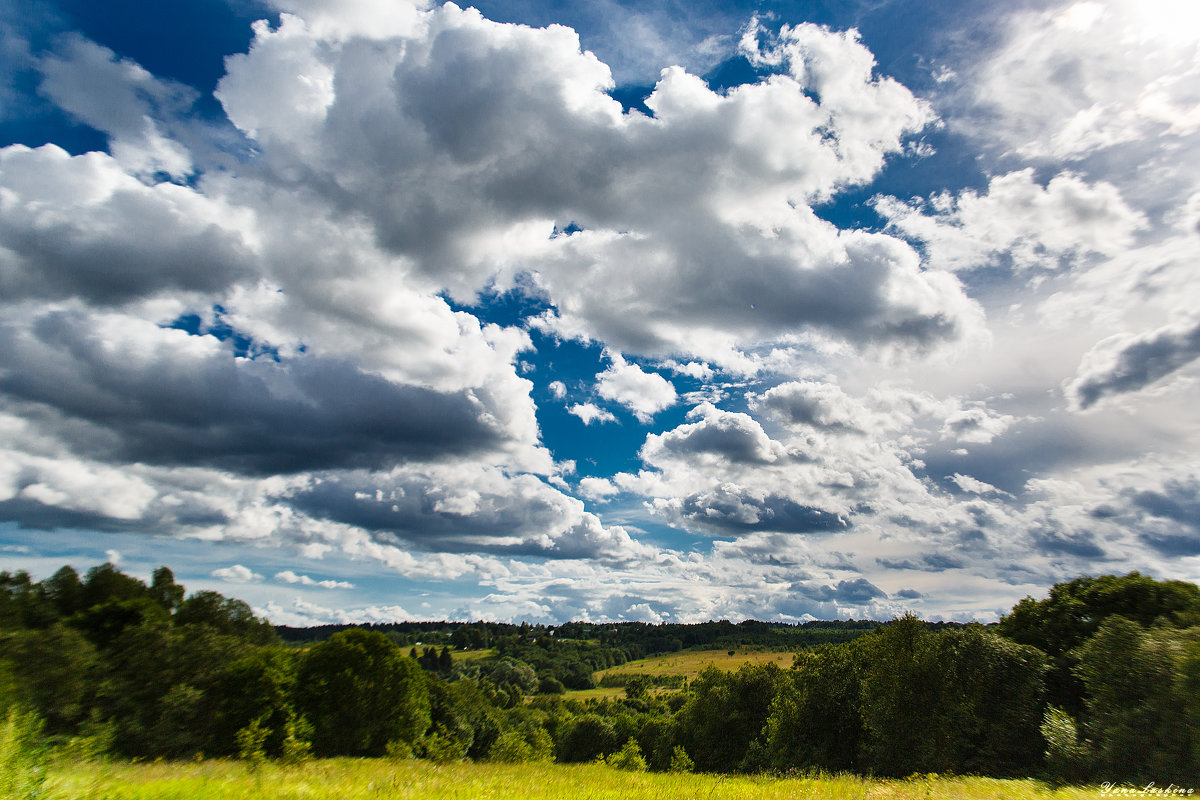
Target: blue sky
(664, 311)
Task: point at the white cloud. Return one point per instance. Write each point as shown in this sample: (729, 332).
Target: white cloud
(974, 485)
(590, 412)
(122, 99)
(451, 191)
(237, 574)
(288, 576)
(1081, 77)
(557, 389)
(692, 369)
(597, 488)
(643, 393)
(1019, 224)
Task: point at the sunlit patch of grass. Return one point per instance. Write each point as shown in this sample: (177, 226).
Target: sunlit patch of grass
(689, 663)
(355, 779)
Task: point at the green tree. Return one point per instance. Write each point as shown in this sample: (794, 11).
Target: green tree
(360, 692)
(165, 591)
(1075, 610)
(56, 670)
(587, 737)
(104, 622)
(255, 688)
(900, 704)
(1139, 712)
(722, 725)
(65, 590)
(224, 615)
(104, 583)
(816, 719)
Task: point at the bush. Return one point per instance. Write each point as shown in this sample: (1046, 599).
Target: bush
(511, 748)
(681, 761)
(628, 758)
(1065, 755)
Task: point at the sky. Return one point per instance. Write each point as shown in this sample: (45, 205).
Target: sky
(667, 311)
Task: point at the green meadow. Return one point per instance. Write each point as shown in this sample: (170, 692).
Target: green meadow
(351, 779)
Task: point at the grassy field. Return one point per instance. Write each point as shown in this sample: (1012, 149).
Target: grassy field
(352, 779)
(689, 663)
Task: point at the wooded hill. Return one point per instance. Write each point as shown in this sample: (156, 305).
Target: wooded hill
(1098, 681)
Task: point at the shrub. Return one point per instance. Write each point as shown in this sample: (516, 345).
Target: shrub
(681, 761)
(628, 758)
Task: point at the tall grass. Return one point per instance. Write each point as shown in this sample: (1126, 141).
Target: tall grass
(359, 779)
(22, 757)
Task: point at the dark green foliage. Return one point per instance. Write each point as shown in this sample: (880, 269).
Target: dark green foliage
(462, 712)
(64, 590)
(105, 583)
(722, 725)
(224, 615)
(551, 685)
(360, 692)
(165, 591)
(956, 701)
(586, 738)
(256, 688)
(816, 720)
(56, 671)
(104, 622)
(900, 703)
(1140, 712)
(157, 688)
(1075, 610)
(23, 604)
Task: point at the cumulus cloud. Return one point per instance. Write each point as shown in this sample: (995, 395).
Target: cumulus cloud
(143, 393)
(237, 574)
(590, 412)
(466, 508)
(976, 424)
(643, 393)
(821, 405)
(1018, 224)
(1126, 363)
(716, 437)
(597, 488)
(120, 98)
(82, 226)
(399, 133)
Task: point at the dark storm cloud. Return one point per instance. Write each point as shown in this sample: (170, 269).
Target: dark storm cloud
(111, 238)
(179, 400)
(729, 510)
(460, 511)
(857, 591)
(1081, 544)
(929, 562)
(1125, 364)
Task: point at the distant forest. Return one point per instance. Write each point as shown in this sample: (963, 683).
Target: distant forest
(1098, 681)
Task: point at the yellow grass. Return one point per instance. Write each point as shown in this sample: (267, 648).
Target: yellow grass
(357, 779)
(689, 663)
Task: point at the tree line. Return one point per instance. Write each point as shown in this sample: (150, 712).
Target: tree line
(1100, 681)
